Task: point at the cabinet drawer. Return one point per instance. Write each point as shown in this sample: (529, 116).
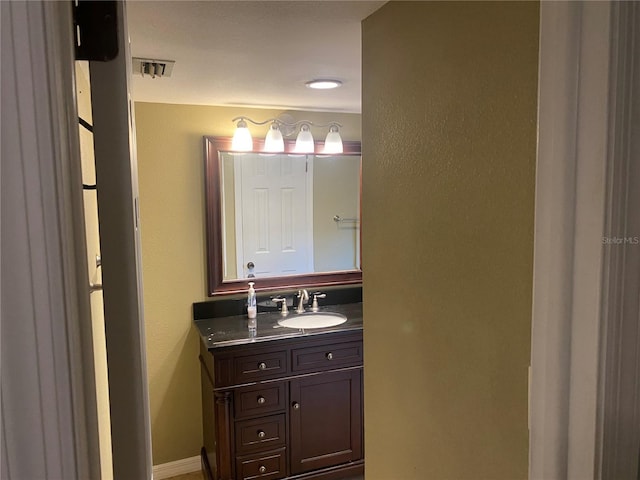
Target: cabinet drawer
(325, 357)
(262, 366)
(264, 466)
(260, 434)
(258, 400)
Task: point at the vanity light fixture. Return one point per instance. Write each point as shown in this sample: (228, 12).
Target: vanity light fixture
(333, 142)
(242, 141)
(324, 84)
(304, 140)
(274, 141)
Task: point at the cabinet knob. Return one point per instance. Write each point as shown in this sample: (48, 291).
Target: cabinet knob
(261, 434)
(261, 399)
(296, 406)
(262, 366)
(329, 356)
(262, 469)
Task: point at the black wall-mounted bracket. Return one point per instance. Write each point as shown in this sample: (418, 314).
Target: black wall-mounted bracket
(96, 30)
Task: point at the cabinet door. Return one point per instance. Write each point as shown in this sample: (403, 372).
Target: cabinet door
(325, 420)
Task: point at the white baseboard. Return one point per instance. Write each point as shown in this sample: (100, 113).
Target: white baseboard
(179, 467)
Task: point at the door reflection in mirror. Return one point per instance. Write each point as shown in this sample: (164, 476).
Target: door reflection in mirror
(278, 214)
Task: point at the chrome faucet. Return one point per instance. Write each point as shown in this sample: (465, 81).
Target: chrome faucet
(303, 296)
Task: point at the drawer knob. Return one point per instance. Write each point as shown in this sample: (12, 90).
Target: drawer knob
(261, 434)
(262, 366)
(329, 356)
(296, 406)
(261, 399)
(262, 469)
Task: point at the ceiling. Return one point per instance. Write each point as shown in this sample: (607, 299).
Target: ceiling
(251, 53)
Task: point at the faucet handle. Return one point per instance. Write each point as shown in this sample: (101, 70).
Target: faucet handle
(316, 296)
(283, 307)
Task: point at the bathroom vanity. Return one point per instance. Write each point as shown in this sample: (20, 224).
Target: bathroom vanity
(283, 403)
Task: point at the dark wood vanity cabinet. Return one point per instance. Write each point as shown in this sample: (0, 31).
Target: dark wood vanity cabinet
(325, 423)
(285, 408)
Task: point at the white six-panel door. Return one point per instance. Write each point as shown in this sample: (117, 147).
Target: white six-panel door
(274, 214)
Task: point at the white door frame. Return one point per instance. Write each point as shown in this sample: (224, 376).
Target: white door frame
(583, 188)
(118, 217)
(49, 413)
(618, 422)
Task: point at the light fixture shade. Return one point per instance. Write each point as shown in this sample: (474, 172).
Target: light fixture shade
(242, 141)
(273, 142)
(304, 141)
(333, 142)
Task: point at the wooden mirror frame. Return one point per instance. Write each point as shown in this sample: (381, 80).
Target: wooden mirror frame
(213, 209)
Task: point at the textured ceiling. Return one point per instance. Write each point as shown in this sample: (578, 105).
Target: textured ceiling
(251, 53)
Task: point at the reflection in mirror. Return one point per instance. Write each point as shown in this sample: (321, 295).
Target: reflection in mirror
(289, 214)
(283, 220)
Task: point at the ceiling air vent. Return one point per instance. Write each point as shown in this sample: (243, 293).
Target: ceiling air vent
(153, 68)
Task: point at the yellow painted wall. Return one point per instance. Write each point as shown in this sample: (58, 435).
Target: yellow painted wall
(83, 92)
(336, 191)
(171, 183)
(449, 138)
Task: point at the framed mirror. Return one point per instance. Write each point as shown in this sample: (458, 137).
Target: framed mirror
(281, 220)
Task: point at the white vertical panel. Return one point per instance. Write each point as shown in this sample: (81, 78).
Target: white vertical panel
(259, 165)
(578, 124)
(261, 219)
(117, 174)
(286, 165)
(287, 225)
(49, 421)
(619, 419)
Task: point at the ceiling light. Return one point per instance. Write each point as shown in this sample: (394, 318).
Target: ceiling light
(324, 84)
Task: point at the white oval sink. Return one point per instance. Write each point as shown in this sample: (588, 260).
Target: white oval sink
(313, 320)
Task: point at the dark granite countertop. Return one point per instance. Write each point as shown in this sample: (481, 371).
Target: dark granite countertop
(228, 331)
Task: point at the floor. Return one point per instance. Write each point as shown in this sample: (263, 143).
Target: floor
(189, 476)
(198, 476)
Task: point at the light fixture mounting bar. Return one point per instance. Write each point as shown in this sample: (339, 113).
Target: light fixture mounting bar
(288, 124)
